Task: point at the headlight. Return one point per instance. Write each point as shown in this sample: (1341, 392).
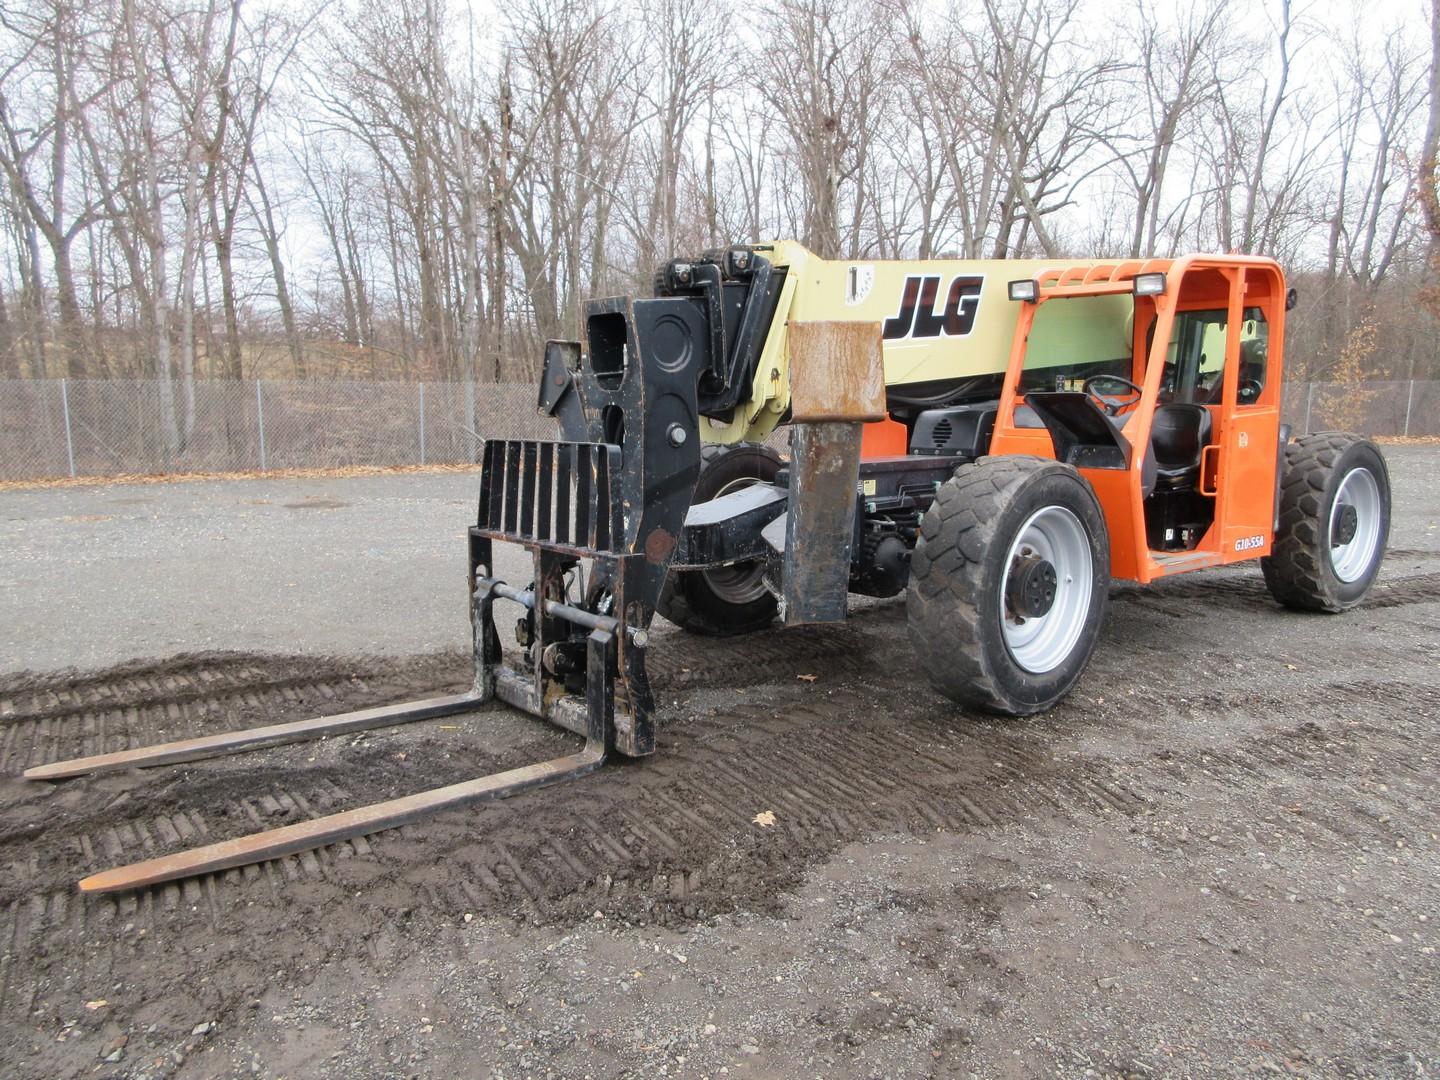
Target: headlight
(1149, 284)
(1025, 291)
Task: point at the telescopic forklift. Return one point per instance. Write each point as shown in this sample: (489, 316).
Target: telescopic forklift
(997, 439)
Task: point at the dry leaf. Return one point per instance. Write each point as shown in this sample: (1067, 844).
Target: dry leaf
(807, 678)
(765, 818)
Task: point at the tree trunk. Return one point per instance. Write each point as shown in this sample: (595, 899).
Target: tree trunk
(271, 236)
(72, 323)
(1429, 195)
(151, 225)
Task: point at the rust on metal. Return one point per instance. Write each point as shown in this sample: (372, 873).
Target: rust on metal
(837, 371)
(820, 522)
(659, 545)
(232, 742)
(347, 825)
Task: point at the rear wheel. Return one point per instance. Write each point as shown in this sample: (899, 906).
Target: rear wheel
(1009, 583)
(1334, 521)
(725, 600)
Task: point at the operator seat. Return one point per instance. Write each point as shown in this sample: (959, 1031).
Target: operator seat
(1179, 432)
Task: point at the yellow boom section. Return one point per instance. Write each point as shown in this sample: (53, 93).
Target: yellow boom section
(943, 319)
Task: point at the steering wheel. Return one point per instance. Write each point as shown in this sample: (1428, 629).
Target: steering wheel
(1112, 405)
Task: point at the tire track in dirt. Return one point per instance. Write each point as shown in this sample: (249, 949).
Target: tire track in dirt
(48, 718)
(682, 661)
(1398, 592)
(668, 839)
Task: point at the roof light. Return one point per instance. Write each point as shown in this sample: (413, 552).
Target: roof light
(1026, 291)
(1149, 284)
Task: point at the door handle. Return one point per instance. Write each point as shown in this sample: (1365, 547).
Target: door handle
(1206, 468)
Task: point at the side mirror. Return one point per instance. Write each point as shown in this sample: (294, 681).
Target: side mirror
(1291, 298)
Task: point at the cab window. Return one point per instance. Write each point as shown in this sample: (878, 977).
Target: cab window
(1195, 360)
(1254, 353)
(1076, 338)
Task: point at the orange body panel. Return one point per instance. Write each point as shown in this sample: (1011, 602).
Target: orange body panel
(883, 438)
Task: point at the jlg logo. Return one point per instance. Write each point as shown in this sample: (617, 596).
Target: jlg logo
(917, 317)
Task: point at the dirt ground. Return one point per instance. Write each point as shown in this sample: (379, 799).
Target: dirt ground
(1218, 857)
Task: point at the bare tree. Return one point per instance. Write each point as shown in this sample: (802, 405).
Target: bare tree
(1429, 178)
(829, 96)
(164, 165)
(133, 48)
(194, 83)
(1380, 95)
(1175, 70)
(687, 46)
(43, 90)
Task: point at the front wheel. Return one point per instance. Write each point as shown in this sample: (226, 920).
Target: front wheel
(1008, 584)
(725, 600)
(1334, 521)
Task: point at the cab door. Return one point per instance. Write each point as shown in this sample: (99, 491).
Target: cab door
(1240, 468)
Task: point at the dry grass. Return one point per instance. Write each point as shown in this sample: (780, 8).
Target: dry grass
(1408, 440)
(251, 474)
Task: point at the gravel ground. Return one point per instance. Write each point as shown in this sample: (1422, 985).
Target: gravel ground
(1218, 857)
(96, 575)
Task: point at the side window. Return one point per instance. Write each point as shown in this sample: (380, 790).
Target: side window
(1254, 352)
(1210, 374)
(1195, 363)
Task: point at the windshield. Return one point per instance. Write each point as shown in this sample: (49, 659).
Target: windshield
(1075, 338)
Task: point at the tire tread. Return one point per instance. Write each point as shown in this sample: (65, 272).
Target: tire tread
(945, 578)
(1295, 570)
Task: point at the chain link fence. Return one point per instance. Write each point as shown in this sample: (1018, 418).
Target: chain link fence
(104, 427)
(95, 427)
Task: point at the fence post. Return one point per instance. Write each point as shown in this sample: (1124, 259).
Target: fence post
(422, 423)
(1409, 401)
(260, 422)
(65, 408)
(1309, 400)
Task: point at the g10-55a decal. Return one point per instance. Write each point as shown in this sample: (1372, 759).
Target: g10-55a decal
(917, 317)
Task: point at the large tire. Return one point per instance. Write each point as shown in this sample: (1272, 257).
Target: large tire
(1308, 567)
(732, 599)
(998, 519)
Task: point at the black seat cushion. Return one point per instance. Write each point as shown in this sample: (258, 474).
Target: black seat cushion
(1178, 433)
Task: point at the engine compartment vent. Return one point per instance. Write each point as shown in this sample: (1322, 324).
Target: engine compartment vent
(954, 430)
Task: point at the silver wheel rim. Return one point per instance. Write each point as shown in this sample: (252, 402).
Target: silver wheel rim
(1360, 490)
(738, 583)
(1041, 643)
